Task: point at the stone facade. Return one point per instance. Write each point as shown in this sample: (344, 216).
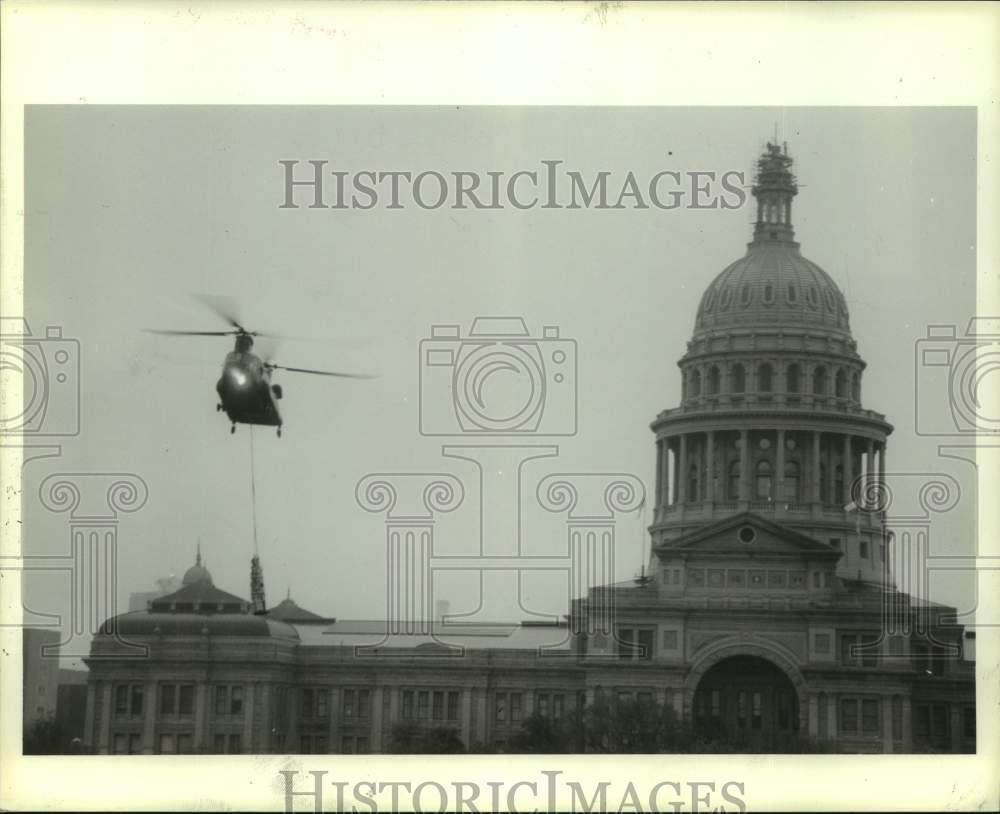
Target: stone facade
(769, 611)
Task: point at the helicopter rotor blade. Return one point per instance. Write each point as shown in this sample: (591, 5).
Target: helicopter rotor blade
(336, 374)
(188, 333)
(223, 307)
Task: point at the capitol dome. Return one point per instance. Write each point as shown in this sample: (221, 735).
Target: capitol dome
(772, 285)
(771, 421)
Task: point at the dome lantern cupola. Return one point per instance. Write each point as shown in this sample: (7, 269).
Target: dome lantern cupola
(774, 189)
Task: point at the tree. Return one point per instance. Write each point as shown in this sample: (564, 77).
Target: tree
(541, 735)
(411, 739)
(45, 737)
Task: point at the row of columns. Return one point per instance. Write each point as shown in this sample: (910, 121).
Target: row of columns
(676, 453)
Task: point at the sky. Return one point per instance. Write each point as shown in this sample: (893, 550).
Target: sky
(132, 211)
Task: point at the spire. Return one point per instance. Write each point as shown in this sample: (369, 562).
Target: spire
(774, 188)
(288, 595)
(197, 556)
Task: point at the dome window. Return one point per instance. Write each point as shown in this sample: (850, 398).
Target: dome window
(768, 293)
(710, 299)
(695, 388)
(813, 296)
(725, 298)
(841, 384)
(791, 293)
(831, 300)
(745, 295)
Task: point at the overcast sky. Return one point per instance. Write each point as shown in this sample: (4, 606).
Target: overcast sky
(131, 210)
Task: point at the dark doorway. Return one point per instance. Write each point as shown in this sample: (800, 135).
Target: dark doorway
(747, 704)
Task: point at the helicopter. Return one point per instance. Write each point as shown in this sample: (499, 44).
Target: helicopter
(246, 392)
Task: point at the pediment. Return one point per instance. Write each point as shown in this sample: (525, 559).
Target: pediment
(745, 534)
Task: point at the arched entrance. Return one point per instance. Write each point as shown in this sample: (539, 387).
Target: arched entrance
(746, 703)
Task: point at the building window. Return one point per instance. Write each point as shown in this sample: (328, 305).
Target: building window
(821, 642)
(849, 715)
(859, 649)
(695, 387)
(507, 707)
(863, 549)
(168, 744)
(869, 721)
(841, 384)
(763, 481)
(856, 388)
(177, 699)
(793, 480)
(407, 703)
(453, 705)
(423, 704)
(870, 716)
(357, 703)
(228, 699)
(127, 743)
(930, 725)
(635, 643)
(733, 485)
(838, 483)
(969, 722)
(897, 718)
(168, 699)
(312, 745)
(314, 702)
(128, 700)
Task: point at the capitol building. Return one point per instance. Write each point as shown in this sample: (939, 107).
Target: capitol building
(768, 611)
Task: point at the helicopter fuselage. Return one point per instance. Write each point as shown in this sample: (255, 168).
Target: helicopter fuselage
(246, 393)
